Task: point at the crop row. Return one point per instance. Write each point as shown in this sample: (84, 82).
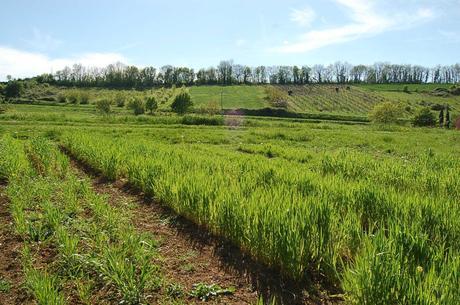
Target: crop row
(95, 254)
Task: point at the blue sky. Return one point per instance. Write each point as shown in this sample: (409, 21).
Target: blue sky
(42, 36)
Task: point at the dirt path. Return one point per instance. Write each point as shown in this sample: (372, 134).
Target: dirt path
(192, 255)
(11, 275)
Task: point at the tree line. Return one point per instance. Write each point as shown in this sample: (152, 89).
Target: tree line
(228, 73)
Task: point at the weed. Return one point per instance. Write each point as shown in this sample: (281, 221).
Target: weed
(205, 292)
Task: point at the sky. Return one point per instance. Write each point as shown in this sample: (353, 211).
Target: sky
(42, 36)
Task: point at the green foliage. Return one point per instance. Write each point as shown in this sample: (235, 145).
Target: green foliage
(424, 117)
(182, 102)
(61, 98)
(13, 89)
(104, 106)
(151, 104)
(73, 96)
(5, 286)
(120, 99)
(385, 113)
(175, 290)
(206, 292)
(137, 105)
(84, 97)
(44, 287)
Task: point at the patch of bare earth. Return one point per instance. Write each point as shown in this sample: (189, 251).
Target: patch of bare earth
(192, 255)
(10, 258)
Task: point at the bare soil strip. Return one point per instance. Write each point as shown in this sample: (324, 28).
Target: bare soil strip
(192, 255)
(10, 258)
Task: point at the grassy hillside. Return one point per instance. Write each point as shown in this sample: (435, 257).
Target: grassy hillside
(359, 100)
(250, 97)
(308, 99)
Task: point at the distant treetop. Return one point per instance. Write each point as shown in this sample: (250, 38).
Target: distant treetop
(228, 73)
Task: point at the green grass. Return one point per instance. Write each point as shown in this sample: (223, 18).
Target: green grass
(5, 286)
(250, 97)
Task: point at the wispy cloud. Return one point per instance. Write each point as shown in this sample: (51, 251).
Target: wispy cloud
(366, 20)
(21, 64)
(303, 17)
(42, 41)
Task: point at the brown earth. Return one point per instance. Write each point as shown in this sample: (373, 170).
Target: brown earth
(10, 258)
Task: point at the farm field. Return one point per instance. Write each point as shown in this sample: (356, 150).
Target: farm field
(366, 213)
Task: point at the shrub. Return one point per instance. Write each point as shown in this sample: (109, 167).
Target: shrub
(120, 99)
(84, 97)
(151, 104)
(424, 117)
(104, 106)
(276, 97)
(406, 89)
(73, 97)
(457, 123)
(137, 106)
(385, 113)
(455, 90)
(61, 98)
(182, 102)
(13, 89)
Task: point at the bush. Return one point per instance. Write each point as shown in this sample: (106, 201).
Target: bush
(182, 102)
(13, 89)
(120, 99)
(84, 97)
(276, 97)
(385, 113)
(73, 97)
(104, 106)
(137, 106)
(455, 90)
(151, 104)
(424, 117)
(61, 98)
(406, 89)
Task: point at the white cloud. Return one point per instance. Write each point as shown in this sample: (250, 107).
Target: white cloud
(20, 64)
(366, 20)
(303, 17)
